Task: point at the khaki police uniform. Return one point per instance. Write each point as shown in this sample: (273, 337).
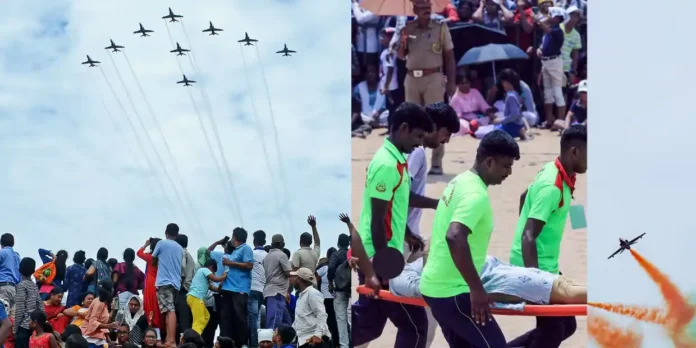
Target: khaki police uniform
(425, 83)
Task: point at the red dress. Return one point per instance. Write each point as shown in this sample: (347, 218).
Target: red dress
(150, 305)
(40, 341)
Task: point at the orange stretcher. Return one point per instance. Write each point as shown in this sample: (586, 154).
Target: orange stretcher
(529, 310)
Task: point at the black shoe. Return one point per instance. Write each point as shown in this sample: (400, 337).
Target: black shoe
(435, 171)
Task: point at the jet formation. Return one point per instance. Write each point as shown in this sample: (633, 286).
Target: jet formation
(625, 244)
(172, 17)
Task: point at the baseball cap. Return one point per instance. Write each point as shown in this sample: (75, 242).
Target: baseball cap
(572, 9)
(582, 86)
(557, 12)
(265, 335)
(305, 274)
(277, 238)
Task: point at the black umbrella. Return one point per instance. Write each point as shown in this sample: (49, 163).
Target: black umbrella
(468, 35)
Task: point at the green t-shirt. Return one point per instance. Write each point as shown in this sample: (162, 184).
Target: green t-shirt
(465, 200)
(541, 204)
(388, 180)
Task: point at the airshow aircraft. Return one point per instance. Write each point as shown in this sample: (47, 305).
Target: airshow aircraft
(92, 63)
(212, 29)
(113, 47)
(625, 245)
(186, 81)
(143, 31)
(171, 16)
(285, 51)
(180, 51)
(247, 40)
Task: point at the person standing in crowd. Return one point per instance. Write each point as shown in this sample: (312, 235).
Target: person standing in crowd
(310, 315)
(387, 194)
(167, 258)
(323, 286)
(428, 50)
(27, 301)
(493, 14)
(463, 224)
(234, 319)
(307, 256)
(276, 266)
(258, 281)
(74, 279)
(199, 291)
(389, 81)
(188, 269)
(59, 259)
(572, 44)
(446, 123)
(367, 41)
(128, 278)
(98, 271)
(543, 215)
(341, 292)
(9, 269)
(552, 75)
(150, 305)
(215, 317)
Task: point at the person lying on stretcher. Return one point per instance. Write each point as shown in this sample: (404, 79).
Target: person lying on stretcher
(504, 283)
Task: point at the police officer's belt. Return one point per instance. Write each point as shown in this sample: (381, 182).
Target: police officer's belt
(423, 72)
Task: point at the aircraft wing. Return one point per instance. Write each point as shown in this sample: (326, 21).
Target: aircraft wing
(280, 52)
(636, 239)
(86, 62)
(614, 254)
(192, 81)
(137, 32)
(206, 30)
(181, 81)
(291, 51)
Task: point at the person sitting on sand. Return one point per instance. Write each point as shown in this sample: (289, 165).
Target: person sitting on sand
(469, 105)
(373, 109)
(512, 121)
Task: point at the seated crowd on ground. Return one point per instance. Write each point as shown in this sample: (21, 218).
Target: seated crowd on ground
(533, 92)
(251, 296)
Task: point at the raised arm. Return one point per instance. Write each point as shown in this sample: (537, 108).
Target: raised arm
(312, 221)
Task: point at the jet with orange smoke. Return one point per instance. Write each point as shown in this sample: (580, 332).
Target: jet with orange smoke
(625, 244)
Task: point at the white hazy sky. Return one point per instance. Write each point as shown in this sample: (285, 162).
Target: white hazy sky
(641, 144)
(69, 178)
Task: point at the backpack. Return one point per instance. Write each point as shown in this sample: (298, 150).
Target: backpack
(342, 279)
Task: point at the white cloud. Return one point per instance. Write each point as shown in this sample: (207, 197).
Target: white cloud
(70, 181)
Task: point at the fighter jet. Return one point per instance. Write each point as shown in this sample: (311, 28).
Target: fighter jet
(143, 31)
(180, 51)
(92, 63)
(248, 41)
(171, 16)
(626, 245)
(186, 81)
(285, 51)
(212, 29)
(113, 47)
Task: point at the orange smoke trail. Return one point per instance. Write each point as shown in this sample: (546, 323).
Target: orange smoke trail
(679, 311)
(650, 315)
(607, 335)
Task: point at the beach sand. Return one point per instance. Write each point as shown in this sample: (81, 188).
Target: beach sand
(505, 199)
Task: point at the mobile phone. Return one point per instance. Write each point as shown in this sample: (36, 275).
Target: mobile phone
(226, 239)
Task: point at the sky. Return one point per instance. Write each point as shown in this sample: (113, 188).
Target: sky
(73, 179)
(641, 150)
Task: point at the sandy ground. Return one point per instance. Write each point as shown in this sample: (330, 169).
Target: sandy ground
(505, 200)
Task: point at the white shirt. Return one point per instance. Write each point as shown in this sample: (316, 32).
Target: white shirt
(367, 38)
(418, 170)
(323, 272)
(258, 275)
(310, 315)
(388, 61)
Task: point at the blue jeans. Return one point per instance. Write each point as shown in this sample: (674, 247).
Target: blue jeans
(276, 311)
(253, 307)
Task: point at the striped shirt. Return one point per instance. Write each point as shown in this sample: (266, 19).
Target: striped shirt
(27, 300)
(571, 42)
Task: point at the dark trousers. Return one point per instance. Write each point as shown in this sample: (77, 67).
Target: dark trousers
(184, 318)
(370, 316)
(22, 337)
(549, 333)
(454, 316)
(331, 321)
(209, 331)
(234, 321)
(326, 343)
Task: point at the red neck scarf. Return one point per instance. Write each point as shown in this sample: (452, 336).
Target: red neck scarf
(563, 177)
